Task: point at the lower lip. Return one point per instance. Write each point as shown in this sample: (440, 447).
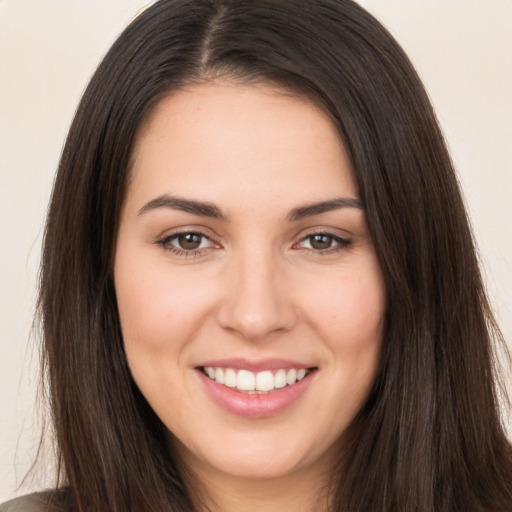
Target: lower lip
(256, 405)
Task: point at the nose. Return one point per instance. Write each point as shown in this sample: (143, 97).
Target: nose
(257, 302)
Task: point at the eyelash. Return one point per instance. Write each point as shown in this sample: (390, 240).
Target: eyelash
(341, 244)
(166, 243)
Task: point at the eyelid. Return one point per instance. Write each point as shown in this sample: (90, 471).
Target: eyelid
(164, 241)
(342, 242)
(187, 228)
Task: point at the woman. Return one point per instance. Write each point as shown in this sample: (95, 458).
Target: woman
(259, 288)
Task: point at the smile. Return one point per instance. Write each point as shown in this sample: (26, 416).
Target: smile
(256, 389)
(255, 382)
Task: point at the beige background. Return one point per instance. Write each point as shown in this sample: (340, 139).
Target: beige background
(49, 48)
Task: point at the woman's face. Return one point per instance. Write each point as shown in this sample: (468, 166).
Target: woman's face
(250, 295)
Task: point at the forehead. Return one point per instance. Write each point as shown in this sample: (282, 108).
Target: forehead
(222, 138)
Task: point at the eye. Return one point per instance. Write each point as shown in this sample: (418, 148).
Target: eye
(319, 242)
(323, 243)
(189, 241)
(186, 242)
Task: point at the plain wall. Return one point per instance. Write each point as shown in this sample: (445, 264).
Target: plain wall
(49, 49)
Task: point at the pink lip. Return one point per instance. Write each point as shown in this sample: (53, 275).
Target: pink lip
(255, 405)
(255, 365)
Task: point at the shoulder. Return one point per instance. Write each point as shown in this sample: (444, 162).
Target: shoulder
(50, 501)
(31, 503)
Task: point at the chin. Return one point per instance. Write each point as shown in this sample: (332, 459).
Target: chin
(258, 457)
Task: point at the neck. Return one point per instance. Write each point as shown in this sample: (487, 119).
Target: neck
(301, 491)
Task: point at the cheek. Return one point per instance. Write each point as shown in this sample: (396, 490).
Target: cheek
(348, 317)
(159, 313)
(144, 311)
(350, 311)
(157, 306)
(350, 322)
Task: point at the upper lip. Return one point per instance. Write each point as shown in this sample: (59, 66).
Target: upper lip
(254, 365)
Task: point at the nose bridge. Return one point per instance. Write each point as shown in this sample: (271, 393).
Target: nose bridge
(256, 303)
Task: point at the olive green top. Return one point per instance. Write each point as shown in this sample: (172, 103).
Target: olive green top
(32, 503)
(37, 502)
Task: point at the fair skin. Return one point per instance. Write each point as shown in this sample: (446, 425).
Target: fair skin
(221, 266)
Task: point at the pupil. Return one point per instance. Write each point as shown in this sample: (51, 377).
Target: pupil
(321, 242)
(189, 241)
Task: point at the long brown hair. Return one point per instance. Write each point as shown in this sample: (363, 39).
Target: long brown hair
(429, 437)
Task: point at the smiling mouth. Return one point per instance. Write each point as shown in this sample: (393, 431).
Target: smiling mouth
(249, 382)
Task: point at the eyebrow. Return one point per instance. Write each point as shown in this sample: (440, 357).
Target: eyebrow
(325, 206)
(203, 209)
(206, 209)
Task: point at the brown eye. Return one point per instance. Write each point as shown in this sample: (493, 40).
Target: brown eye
(321, 242)
(189, 241)
(325, 243)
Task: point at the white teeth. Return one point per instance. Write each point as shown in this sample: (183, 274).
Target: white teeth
(230, 379)
(280, 379)
(265, 381)
(291, 376)
(245, 381)
(219, 375)
(261, 382)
